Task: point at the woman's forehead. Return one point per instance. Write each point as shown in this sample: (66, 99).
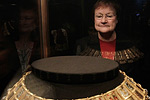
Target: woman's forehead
(27, 12)
(105, 8)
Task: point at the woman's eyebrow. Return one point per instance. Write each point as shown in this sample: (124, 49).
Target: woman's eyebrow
(105, 14)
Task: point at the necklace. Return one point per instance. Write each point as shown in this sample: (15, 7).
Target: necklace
(24, 52)
(128, 89)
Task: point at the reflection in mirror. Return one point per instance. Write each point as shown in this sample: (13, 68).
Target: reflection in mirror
(27, 37)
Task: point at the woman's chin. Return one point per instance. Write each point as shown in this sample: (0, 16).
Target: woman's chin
(104, 31)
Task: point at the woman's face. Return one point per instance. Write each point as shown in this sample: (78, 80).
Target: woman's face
(27, 21)
(105, 19)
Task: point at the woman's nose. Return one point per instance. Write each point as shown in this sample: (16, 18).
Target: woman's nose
(104, 20)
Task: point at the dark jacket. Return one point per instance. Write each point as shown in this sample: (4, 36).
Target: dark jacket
(127, 54)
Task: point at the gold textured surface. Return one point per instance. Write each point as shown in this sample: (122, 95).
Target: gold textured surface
(127, 90)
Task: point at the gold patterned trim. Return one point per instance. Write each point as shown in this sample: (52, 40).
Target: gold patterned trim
(123, 56)
(127, 90)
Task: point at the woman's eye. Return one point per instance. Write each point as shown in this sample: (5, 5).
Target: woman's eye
(109, 16)
(99, 16)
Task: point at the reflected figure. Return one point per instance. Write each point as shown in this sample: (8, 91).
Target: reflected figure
(27, 43)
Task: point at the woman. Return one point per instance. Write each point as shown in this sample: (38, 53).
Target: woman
(27, 43)
(105, 23)
(109, 43)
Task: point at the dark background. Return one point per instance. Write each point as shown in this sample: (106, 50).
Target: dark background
(76, 15)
